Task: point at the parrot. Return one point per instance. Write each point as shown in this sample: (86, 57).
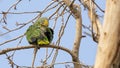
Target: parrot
(39, 34)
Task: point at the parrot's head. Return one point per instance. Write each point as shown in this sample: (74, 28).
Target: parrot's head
(44, 21)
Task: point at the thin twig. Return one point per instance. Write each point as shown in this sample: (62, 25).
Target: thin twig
(17, 45)
(4, 14)
(55, 12)
(48, 9)
(98, 6)
(11, 40)
(48, 6)
(22, 25)
(61, 32)
(11, 61)
(20, 12)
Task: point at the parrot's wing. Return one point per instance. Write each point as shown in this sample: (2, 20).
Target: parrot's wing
(49, 33)
(46, 36)
(32, 34)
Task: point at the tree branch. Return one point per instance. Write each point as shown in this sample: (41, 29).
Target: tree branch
(33, 46)
(96, 24)
(75, 10)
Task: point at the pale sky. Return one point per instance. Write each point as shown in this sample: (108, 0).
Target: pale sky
(24, 57)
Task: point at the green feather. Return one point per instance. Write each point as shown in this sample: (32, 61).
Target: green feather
(39, 33)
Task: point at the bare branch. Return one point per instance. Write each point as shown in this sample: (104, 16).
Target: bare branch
(4, 14)
(33, 46)
(22, 25)
(75, 10)
(20, 12)
(98, 6)
(55, 12)
(96, 24)
(11, 61)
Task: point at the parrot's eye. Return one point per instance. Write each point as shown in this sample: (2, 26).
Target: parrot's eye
(42, 22)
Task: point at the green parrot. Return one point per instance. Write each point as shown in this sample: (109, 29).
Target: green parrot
(39, 34)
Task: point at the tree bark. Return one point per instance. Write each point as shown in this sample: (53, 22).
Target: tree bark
(108, 53)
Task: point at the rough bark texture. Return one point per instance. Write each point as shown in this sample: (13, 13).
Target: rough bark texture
(108, 53)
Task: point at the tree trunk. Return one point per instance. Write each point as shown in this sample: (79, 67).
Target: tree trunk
(108, 53)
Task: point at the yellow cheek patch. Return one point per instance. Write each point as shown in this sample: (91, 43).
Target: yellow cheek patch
(46, 23)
